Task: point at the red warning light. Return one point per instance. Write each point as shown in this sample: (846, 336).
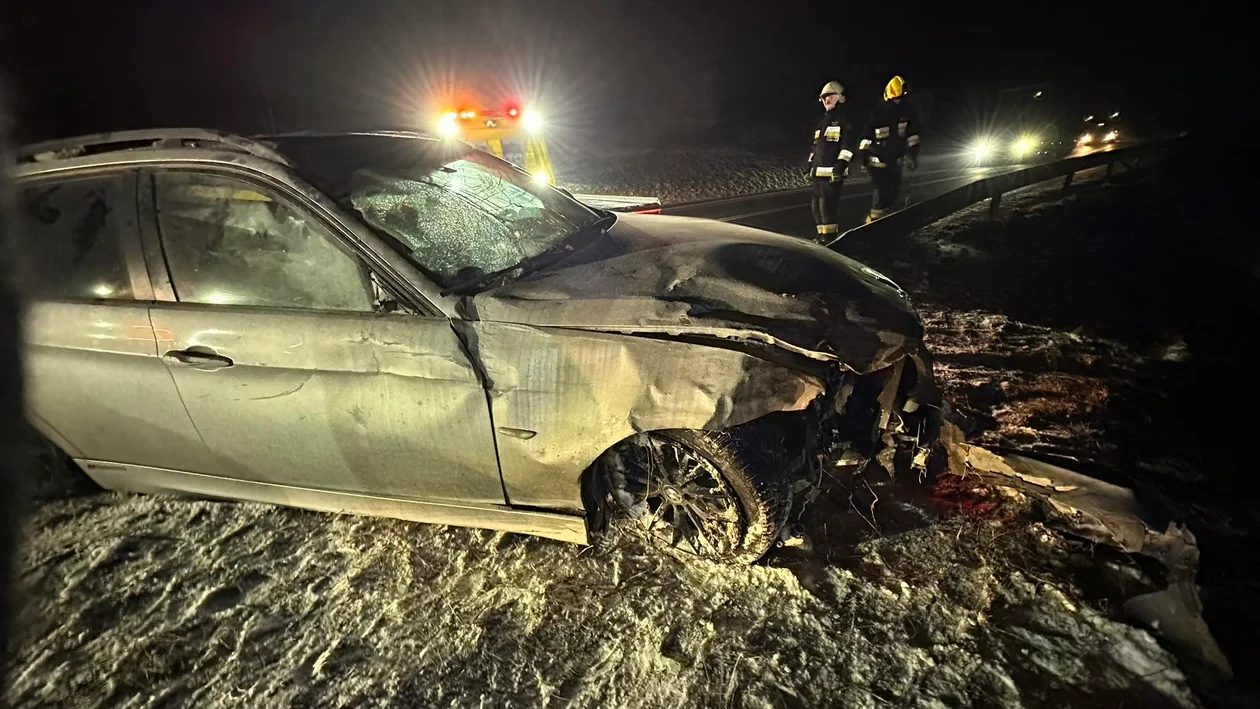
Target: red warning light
(514, 112)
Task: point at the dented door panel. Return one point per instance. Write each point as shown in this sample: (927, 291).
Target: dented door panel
(562, 397)
(382, 404)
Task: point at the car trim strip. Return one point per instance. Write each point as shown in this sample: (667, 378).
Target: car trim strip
(144, 479)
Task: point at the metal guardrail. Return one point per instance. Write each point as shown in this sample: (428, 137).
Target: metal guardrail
(923, 213)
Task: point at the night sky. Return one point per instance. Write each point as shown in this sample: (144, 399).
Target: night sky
(647, 71)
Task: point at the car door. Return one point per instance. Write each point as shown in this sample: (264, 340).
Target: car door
(290, 372)
(95, 383)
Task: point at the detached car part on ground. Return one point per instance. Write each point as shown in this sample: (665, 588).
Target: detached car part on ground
(391, 325)
(1107, 514)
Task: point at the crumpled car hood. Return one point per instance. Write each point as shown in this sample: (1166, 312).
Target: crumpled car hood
(679, 276)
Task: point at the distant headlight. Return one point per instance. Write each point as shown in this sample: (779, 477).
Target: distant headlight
(1024, 146)
(1085, 139)
(981, 149)
(1111, 137)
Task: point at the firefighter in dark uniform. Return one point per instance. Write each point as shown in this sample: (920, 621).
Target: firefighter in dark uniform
(890, 140)
(829, 162)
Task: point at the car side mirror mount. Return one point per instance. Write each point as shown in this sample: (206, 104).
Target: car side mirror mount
(385, 302)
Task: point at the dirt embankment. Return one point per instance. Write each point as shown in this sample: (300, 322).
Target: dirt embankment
(1111, 327)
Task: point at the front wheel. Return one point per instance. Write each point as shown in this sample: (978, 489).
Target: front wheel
(694, 492)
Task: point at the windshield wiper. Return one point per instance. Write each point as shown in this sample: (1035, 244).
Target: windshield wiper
(606, 220)
(533, 263)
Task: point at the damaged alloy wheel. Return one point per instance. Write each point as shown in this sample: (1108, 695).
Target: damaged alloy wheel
(693, 492)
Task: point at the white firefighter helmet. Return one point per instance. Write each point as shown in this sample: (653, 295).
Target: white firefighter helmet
(832, 87)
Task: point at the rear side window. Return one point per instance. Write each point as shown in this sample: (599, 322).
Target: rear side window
(74, 233)
(230, 242)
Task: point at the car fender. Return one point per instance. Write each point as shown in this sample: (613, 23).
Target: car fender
(561, 397)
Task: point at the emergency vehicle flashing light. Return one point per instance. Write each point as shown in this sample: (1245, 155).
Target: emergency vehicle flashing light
(451, 123)
(448, 125)
(533, 121)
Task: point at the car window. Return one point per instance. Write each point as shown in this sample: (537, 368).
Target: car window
(460, 220)
(230, 242)
(74, 231)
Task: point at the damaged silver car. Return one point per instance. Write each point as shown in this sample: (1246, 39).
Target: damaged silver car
(391, 325)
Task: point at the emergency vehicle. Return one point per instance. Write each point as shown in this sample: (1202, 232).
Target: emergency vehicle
(515, 134)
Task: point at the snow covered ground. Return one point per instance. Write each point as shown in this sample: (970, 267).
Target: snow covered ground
(145, 601)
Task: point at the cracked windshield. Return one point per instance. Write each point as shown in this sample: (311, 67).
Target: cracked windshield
(464, 219)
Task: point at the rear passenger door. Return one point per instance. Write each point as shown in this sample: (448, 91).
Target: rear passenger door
(291, 372)
(95, 383)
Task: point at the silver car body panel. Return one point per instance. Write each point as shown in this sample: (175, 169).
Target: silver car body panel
(94, 377)
(138, 478)
(506, 397)
(352, 402)
(563, 397)
(714, 333)
(679, 276)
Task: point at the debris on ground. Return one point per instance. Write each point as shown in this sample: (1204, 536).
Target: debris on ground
(1104, 513)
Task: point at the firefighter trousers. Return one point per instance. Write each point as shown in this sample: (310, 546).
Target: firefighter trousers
(825, 203)
(887, 182)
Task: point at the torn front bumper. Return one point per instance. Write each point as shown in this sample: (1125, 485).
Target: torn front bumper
(895, 410)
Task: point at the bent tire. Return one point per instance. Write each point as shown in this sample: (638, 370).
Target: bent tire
(697, 493)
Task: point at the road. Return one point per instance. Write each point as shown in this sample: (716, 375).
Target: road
(788, 212)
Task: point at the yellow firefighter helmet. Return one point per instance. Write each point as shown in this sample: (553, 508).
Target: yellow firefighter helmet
(896, 88)
(832, 87)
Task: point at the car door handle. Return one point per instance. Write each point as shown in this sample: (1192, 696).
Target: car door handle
(198, 357)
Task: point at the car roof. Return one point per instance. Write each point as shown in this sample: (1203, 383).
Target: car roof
(168, 138)
(343, 134)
